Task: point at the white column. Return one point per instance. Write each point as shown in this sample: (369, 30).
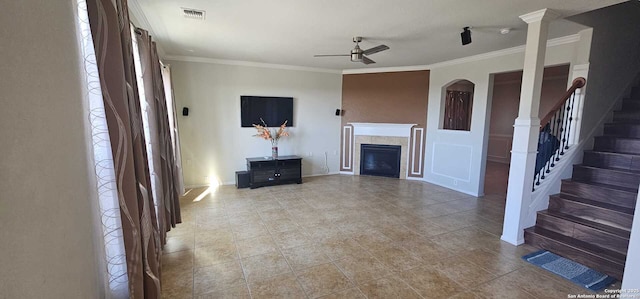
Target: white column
(526, 128)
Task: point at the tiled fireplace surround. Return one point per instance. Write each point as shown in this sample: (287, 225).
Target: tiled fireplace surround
(384, 140)
(383, 134)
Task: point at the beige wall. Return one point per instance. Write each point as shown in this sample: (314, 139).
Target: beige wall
(47, 238)
(394, 97)
(214, 146)
(457, 159)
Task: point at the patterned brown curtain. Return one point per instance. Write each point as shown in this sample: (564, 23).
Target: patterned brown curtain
(109, 21)
(163, 156)
(169, 162)
(457, 110)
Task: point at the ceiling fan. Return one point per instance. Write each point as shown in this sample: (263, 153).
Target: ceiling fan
(357, 54)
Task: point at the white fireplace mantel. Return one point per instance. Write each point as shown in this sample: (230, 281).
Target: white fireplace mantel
(382, 129)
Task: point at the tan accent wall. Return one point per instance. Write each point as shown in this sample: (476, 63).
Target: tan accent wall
(395, 97)
(398, 97)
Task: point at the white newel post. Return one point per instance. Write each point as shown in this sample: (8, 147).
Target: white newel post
(580, 70)
(526, 128)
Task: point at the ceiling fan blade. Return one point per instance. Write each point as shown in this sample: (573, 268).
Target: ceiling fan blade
(366, 60)
(330, 55)
(374, 50)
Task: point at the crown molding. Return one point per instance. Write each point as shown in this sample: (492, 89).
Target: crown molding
(143, 22)
(391, 69)
(250, 64)
(136, 11)
(574, 38)
(540, 15)
(581, 67)
(519, 49)
(549, 78)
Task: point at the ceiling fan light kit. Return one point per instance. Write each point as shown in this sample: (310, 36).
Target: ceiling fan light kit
(356, 53)
(359, 55)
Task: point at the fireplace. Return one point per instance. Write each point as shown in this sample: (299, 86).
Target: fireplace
(380, 160)
(357, 134)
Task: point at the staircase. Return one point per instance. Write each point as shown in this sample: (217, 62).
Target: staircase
(589, 221)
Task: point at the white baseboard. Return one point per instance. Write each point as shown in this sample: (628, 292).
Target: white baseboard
(454, 189)
(195, 186)
(320, 174)
(347, 172)
(511, 241)
(409, 178)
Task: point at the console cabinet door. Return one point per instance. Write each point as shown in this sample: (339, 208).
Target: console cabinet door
(289, 170)
(263, 175)
(291, 173)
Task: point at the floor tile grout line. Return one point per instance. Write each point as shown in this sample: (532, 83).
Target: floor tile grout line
(242, 267)
(235, 245)
(330, 261)
(503, 275)
(193, 261)
(390, 271)
(287, 261)
(244, 275)
(325, 208)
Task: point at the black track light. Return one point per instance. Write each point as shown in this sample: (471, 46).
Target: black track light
(466, 36)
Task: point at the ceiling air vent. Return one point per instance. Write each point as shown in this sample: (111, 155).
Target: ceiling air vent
(193, 13)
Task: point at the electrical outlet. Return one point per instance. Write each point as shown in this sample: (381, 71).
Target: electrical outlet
(455, 182)
(335, 153)
(310, 154)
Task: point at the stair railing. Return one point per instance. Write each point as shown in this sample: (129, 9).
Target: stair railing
(555, 130)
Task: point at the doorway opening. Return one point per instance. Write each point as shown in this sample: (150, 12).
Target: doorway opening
(505, 103)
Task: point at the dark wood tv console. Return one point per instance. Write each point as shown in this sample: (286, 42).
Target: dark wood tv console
(266, 171)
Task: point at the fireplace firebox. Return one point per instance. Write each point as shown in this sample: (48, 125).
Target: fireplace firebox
(380, 160)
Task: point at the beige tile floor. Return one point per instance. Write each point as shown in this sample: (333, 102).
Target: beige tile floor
(348, 237)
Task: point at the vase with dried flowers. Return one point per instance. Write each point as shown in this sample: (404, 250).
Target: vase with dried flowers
(271, 135)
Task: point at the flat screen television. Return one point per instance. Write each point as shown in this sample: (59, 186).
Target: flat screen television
(273, 110)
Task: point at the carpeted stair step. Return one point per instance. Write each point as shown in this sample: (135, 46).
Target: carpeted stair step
(624, 116)
(611, 160)
(615, 177)
(622, 129)
(617, 144)
(598, 258)
(616, 195)
(596, 211)
(598, 234)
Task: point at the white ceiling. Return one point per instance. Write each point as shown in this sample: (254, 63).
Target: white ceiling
(290, 32)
